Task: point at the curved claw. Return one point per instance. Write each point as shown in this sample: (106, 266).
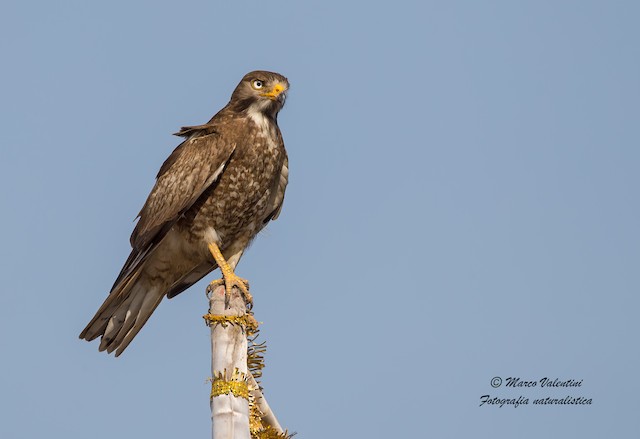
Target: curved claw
(229, 281)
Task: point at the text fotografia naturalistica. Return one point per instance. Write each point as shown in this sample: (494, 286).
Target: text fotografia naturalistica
(521, 400)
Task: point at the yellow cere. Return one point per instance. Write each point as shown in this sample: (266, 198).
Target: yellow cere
(277, 89)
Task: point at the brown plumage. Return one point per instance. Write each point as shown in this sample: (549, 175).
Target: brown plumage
(220, 186)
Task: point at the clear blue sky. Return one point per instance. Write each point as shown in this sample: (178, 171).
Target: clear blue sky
(463, 204)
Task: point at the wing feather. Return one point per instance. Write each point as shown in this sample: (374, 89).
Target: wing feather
(194, 166)
(281, 187)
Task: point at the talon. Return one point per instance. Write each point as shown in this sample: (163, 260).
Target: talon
(229, 281)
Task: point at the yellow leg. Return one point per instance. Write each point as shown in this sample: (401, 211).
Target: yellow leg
(229, 278)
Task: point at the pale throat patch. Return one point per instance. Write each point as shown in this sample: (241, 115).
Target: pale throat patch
(255, 114)
(265, 128)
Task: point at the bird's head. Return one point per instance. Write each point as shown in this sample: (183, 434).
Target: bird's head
(260, 91)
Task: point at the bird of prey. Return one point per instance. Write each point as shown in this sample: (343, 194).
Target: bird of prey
(214, 193)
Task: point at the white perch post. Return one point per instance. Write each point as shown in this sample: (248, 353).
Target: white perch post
(229, 395)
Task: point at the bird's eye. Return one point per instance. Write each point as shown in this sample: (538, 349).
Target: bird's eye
(257, 84)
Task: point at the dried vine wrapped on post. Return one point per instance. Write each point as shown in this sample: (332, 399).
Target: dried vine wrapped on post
(239, 409)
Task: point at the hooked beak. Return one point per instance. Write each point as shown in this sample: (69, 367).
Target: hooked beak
(275, 92)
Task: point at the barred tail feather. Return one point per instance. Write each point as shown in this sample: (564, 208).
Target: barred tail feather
(135, 315)
(123, 314)
(119, 294)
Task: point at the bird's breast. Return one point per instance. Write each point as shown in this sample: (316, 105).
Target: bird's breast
(235, 206)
